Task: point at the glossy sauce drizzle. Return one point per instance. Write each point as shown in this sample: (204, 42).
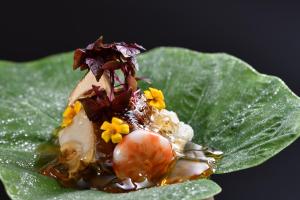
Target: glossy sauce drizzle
(193, 161)
(196, 162)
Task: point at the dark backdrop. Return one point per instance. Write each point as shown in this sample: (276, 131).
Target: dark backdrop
(266, 35)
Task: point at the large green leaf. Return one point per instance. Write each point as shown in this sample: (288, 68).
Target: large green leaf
(249, 116)
(28, 185)
(233, 108)
(33, 96)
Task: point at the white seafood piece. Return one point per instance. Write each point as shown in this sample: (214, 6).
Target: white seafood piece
(142, 154)
(179, 139)
(167, 123)
(164, 121)
(77, 142)
(86, 84)
(171, 115)
(186, 170)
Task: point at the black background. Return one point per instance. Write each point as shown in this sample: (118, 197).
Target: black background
(266, 35)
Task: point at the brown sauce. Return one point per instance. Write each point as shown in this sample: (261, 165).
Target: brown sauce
(194, 164)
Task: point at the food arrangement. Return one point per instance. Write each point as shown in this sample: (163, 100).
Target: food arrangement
(115, 137)
(220, 101)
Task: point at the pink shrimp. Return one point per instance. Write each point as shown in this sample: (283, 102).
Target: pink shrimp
(142, 154)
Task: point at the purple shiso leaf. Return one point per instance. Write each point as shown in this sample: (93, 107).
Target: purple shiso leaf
(79, 59)
(103, 58)
(128, 50)
(95, 66)
(112, 65)
(99, 57)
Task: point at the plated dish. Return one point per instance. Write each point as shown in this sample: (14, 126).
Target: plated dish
(221, 102)
(116, 137)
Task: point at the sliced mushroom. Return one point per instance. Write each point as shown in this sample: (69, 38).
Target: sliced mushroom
(86, 84)
(77, 143)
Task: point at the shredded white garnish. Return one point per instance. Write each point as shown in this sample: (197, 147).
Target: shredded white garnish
(167, 124)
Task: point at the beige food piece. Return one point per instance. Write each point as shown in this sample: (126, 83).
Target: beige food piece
(186, 170)
(86, 84)
(77, 142)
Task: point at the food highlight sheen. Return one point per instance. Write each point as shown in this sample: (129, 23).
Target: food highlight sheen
(114, 137)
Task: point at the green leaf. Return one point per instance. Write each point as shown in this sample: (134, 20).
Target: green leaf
(33, 96)
(233, 108)
(28, 185)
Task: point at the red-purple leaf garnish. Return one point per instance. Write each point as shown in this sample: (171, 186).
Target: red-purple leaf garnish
(129, 50)
(121, 102)
(79, 58)
(107, 58)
